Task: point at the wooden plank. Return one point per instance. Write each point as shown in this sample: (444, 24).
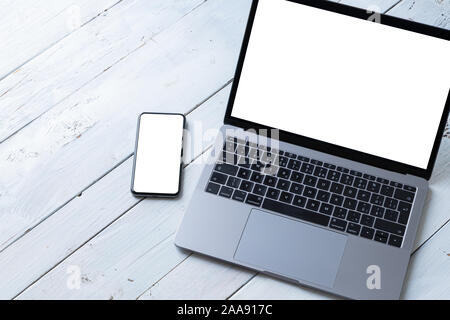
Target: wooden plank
(63, 152)
(199, 278)
(28, 28)
(107, 200)
(127, 257)
(49, 79)
(433, 12)
(429, 270)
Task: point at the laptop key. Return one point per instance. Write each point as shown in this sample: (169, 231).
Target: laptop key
(312, 205)
(390, 203)
(363, 207)
(218, 178)
(286, 197)
(340, 212)
(381, 180)
(323, 184)
(233, 182)
(296, 188)
(367, 220)
(259, 189)
(244, 173)
(350, 203)
(270, 181)
(296, 212)
(213, 188)
(391, 215)
(390, 227)
(337, 188)
(294, 164)
(350, 192)
(323, 196)
(226, 168)
(403, 218)
(337, 200)
(395, 241)
(284, 173)
(254, 199)
(377, 211)
(273, 193)
(363, 195)
(246, 185)
(356, 173)
(310, 181)
(367, 233)
(381, 236)
(307, 168)
(302, 158)
(283, 184)
(326, 208)
(409, 188)
(333, 175)
(316, 162)
(369, 177)
(257, 177)
(341, 169)
(226, 192)
(353, 216)
(404, 207)
(239, 195)
(338, 224)
(404, 195)
(387, 191)
(320, 172)
(310, 192)
(299, 201)
(396, 184)
(353, 228)
(377, 199)
(360, 183)
(297, 176)
(373, 186)
(346, 179)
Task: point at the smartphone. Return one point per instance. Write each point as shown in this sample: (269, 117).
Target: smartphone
(158, 155)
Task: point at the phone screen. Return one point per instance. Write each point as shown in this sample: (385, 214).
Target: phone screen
(158, 155)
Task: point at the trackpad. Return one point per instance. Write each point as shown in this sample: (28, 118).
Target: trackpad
(291, 248)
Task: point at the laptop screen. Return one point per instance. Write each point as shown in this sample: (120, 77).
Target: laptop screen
(342, 80)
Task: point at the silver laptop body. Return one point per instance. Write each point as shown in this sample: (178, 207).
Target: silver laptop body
(320, 238)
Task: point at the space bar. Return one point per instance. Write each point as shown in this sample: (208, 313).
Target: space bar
(296, 212)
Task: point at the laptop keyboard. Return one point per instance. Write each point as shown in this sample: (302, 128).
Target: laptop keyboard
(320, 193)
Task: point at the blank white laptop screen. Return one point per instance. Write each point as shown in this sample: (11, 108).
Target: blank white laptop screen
(343, 80)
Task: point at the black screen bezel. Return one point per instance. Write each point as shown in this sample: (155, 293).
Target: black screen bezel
(325, 146)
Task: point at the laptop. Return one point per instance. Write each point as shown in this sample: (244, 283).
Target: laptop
(320, 172)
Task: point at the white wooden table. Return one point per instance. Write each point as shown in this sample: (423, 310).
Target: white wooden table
(74, 75)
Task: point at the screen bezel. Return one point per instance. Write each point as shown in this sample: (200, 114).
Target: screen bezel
(330, 148)
(157, 195)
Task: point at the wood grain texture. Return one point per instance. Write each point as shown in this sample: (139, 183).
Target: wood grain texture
(28, 28)
(54, 158)
(76, 60)
(97, 208)
(82, 139)
(433, 12)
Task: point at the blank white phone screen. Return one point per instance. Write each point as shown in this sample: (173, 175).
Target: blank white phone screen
(353, 83)
(158, 154)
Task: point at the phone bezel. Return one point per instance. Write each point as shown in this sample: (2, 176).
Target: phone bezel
(157, 195)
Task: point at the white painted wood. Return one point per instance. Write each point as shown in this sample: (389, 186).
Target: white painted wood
(433, 12)
(429, 270)
(136, 253)
(108, 199)
(84, 55)
(64, 151)
(28, 28)
(199, 277)
(126, 258)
